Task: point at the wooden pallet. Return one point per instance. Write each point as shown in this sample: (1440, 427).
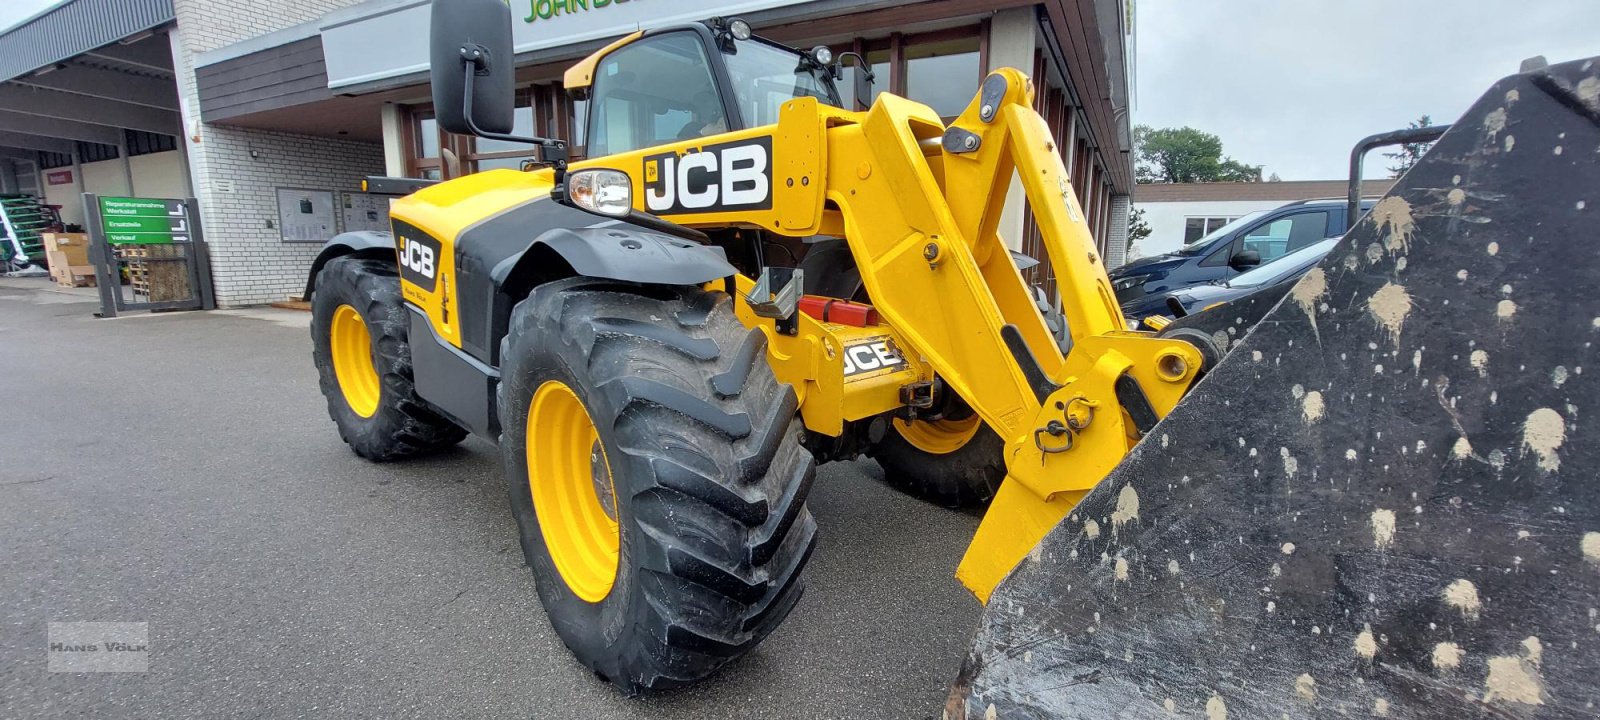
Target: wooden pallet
(155, 281)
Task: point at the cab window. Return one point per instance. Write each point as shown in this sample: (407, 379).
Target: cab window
(654, 92)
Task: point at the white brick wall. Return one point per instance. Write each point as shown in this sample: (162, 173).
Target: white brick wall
(210, 24)
(250, 264)
(1117, 232)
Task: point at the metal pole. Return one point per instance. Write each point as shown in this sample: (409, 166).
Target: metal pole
(199, 255)
(127, 164)
(105, 262)
(1359, 154)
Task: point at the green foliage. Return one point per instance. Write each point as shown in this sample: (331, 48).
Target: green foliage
(1138, 228)
(1409, 153)
(1182, 155)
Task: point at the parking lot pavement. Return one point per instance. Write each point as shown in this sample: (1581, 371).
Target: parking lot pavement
(180, 470)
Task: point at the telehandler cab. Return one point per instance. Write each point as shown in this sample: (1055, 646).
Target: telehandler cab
(742, 279)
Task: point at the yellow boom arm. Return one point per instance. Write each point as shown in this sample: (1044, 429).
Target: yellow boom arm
(920, 204)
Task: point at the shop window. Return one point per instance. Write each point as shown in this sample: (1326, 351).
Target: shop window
(145, 143)
(653, 92)
(1195, 228)
(490, 154)
(944, 74)
(424, 142)
(89, 152)
(49, 160)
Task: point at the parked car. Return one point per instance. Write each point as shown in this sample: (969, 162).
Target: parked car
(1286, 269)
(1249, 242)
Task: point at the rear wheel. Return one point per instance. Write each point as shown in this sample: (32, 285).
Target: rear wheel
(955, 461)
(358, 340)
(656, 475)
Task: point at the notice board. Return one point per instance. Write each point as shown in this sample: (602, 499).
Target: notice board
(306, 215)
(362, 211)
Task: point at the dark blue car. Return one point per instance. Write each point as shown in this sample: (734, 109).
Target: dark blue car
(1246, 243)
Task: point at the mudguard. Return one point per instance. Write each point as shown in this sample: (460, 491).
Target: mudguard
(626, 252)
(347, 244)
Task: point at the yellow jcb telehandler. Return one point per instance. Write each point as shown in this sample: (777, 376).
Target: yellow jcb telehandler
(742, 279)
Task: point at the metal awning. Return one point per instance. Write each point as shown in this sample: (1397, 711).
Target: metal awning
(76, 27)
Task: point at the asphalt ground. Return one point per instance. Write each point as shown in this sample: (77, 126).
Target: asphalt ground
(180, 469)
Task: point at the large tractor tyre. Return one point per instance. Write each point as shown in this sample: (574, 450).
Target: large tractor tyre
(358, 341)
(953, 463)
(656, 475)
(957, 461)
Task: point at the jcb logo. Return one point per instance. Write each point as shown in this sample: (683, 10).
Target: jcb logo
(419, 258)
(870, 356)
(416, 256)
(718, 178)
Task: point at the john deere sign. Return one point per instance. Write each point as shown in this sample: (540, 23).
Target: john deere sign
(551, 9)
(390, 39)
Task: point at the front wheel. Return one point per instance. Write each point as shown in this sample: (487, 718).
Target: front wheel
(655, 471)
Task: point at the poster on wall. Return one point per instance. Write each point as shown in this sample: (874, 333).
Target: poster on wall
(306, 215)
(361, 211)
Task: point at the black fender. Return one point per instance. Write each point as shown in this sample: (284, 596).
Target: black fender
(614, 250)
(349, 243)
(623, 252)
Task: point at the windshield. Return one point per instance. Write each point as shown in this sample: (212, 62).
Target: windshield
(1284, 266)
(1195, 247)
(765, 76)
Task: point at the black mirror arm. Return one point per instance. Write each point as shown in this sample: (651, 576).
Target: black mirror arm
(551, 150)
(861, 64)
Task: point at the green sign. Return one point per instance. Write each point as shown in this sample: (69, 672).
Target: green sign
(551, 9)
(144, 221)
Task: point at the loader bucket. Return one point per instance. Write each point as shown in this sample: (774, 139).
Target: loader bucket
(1385, 499)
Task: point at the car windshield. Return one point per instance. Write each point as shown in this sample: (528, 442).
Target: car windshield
(1285, 266)
(1197, 246)
(765, 76)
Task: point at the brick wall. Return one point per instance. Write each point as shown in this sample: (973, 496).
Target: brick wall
(250, 264)
(210, 24)
(1117, 231)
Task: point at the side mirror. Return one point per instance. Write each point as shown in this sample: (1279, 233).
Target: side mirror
(1245, 259)
(863, 78)
(472, 34)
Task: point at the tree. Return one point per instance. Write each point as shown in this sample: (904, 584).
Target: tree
(1138, 229)
(1179, 155)
(1409, 153)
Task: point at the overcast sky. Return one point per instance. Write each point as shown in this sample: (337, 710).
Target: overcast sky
(15, 11)
(1293, 85)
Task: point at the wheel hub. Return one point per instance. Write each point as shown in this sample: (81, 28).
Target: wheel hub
(573, 494)
(350, 344)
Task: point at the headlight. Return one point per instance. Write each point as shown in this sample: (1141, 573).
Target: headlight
(607, 192)
(1127, 283)
(822, 54)
(739, 29)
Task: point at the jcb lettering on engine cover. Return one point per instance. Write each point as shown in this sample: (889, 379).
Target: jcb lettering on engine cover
(716, 178)
(871, 356)
(419, 259)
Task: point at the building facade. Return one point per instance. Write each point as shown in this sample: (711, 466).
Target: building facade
(275, 104)
(1181, 213)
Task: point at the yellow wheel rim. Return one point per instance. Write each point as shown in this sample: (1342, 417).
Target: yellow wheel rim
(352, 361)
(573, 495)
(939, 437)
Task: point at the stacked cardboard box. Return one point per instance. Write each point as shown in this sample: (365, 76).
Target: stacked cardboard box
(68, 255)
